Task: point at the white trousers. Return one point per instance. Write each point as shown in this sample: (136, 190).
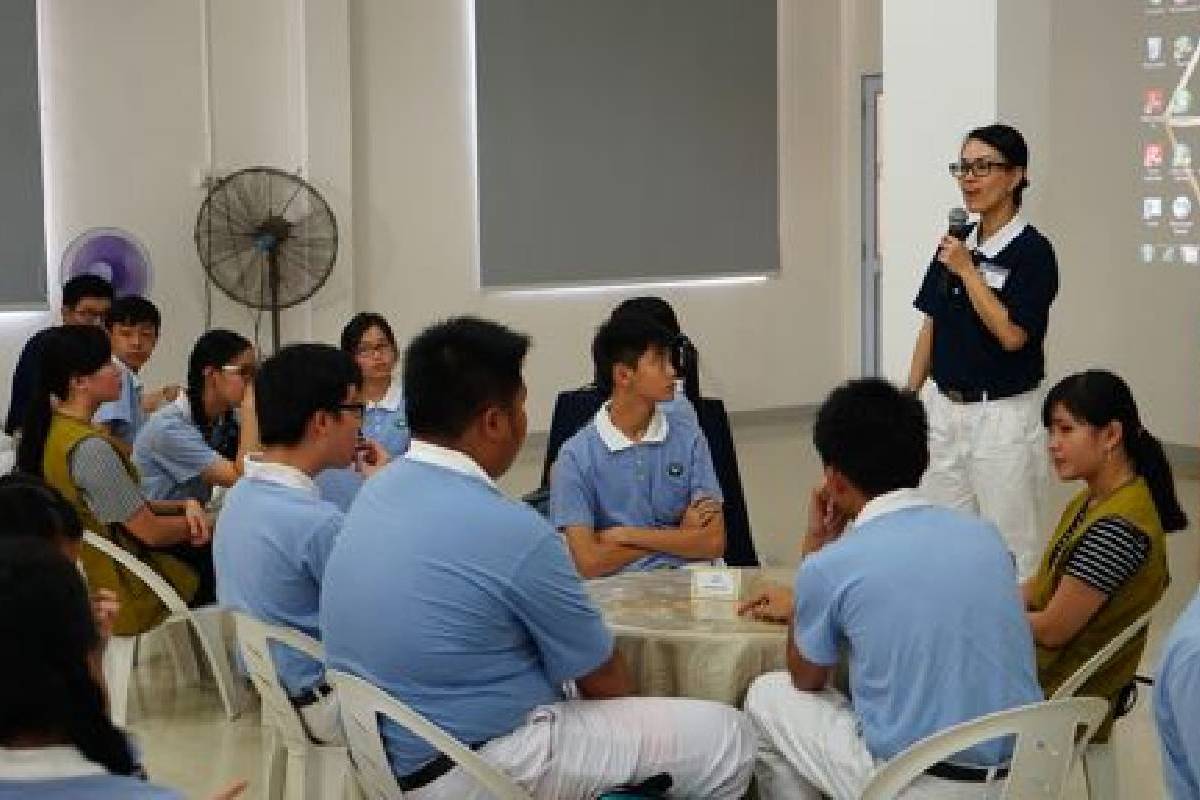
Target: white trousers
(989, 458)
(579, 748)
(810, 747)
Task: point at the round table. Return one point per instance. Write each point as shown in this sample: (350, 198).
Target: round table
(677, 646)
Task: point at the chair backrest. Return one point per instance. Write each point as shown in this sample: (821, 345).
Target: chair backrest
(1050, 735)
(254, 642)
(1072, 684)
(163, 590)
(362, 706)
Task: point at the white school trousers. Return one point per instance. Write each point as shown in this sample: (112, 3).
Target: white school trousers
(579, 748)
(810, 748)
(989, 458)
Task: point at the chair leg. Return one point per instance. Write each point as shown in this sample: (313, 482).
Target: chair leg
(119, 654)
(1100, 770)
(178, 639)
(334, 776)
(296, 783)
(210, 630)
(274, 765)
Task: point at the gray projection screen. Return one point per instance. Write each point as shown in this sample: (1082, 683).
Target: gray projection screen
(23, 245)
(625, 140)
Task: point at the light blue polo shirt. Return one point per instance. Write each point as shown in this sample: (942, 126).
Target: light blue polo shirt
(602, 479)
(386, 423)
(461, 602)
(927, 603)
(339, 486)
(1177, 704)
(170, 453)
(63, 773)
(272, 541)
(124, 416)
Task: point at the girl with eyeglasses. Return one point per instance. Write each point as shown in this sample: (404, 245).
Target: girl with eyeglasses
(986, 299)
(60, 443)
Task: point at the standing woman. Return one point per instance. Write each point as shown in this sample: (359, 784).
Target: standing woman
(60, 443)
(179, 449)
(986, 301)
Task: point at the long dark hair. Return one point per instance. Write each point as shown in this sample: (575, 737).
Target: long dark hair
(46, 686)
(214, 348)
(684, 356)
(68, 351)
(1099, 397)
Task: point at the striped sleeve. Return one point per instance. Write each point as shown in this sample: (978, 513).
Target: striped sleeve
(110, 493)
(1108, 554)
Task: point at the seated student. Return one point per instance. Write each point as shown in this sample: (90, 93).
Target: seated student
(369, 339)
(176, 451)
(1106, 564)
(464, 605)
(60, 444)
(921, 600)
(85, 301)
(31, 508)
(56, 739)
(635, 489)
(274, 533)
(1177, 704)
(133, 324)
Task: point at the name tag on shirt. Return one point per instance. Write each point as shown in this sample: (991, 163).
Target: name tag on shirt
(994, 275)
(716, 583)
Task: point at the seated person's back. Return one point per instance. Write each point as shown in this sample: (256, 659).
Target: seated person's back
(636, 489)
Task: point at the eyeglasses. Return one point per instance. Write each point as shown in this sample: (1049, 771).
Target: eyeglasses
(381, 349)
(980, 168)
(245, 371)
(359, 410)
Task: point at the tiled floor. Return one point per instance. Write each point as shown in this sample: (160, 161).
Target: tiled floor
(189, 745)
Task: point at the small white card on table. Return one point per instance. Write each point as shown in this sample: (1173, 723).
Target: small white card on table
(716, 583)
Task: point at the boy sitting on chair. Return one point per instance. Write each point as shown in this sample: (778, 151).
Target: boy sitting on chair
(633, 490)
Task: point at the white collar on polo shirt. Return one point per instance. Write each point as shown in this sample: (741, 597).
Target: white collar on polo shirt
(998, 240)
(46, 763)
(279, 474)
(615, 440)
(438, 456)
(182, 403)
(888, 502)
(128, 370)
(391, 399)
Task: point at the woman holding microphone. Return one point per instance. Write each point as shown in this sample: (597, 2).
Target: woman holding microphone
(986, 299)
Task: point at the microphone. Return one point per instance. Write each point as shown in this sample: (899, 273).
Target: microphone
(957, 226)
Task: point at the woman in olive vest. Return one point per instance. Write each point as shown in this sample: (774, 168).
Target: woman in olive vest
(1106, 564)
(59, 442)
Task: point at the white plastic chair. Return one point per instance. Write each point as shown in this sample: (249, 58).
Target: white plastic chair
(1048, 740)
(362, 706)
(208, 623)
(1099, 760)
(312, 770)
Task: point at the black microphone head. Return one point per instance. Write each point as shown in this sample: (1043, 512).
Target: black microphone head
(958, 226)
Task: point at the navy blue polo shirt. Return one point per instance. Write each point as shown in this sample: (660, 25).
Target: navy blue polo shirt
(1018, 263)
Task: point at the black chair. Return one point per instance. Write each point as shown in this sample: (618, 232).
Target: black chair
(575, 408)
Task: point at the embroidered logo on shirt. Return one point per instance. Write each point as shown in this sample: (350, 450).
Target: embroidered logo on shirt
(675, 469)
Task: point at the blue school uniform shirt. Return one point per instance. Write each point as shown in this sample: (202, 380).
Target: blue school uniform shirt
(124, 416)
(170, 453)
(339, 486)
(385, 421)
(462, 603)
(927, 602)
(602, 479)
(271, 544)
(63, 773)
(1177, 704)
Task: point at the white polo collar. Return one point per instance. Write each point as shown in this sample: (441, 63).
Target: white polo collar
(455, 460)
(184, 406)
(888, 502)
(279, 474)
(615, 440)
(998, 240)
(46, 763)
(128, 370)
(392, 400)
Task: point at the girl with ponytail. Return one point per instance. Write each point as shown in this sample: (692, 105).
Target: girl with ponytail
(1106, 564)
(194, 443)
(60, 444)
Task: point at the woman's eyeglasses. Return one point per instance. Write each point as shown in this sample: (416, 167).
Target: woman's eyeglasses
(980, 168)
(381, 349)
(359, 410)
(245, 371)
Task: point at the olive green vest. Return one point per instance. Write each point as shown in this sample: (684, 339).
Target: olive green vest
(140, 607)
(1141, 592)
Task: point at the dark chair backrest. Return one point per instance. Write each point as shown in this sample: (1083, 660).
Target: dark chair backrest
(574, 408)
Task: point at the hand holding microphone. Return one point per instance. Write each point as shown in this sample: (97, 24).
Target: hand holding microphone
(952, 252)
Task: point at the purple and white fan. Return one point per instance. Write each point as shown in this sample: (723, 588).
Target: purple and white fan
(110, 253)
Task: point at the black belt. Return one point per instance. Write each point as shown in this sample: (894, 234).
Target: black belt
(431, 771)
(310, 696)
(979, 395)
(965, 774)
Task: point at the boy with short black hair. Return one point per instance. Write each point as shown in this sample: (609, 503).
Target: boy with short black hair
(636, 490)
(133, 324)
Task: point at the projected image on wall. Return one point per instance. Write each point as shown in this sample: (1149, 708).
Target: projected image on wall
(1170, 108)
